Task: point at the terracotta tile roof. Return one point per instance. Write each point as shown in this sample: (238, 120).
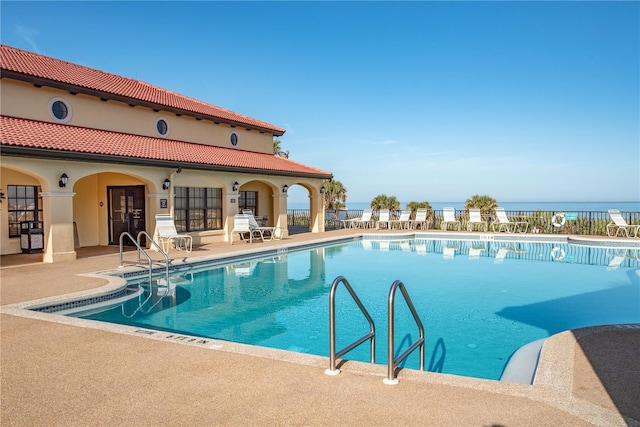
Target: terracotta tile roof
(57, 138)
(51, 69)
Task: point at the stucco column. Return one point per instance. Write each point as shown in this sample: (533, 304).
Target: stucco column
(57, 211)
(280, 203)
(316, 213)
(230, 201)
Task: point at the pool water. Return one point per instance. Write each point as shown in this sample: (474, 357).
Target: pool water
(478, 301)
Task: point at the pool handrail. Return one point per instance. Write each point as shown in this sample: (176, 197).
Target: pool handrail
(333, 355)
(392, 363)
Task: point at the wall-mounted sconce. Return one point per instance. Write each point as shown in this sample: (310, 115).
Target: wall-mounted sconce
(2, 196)
(322, 190)
(285, 188)
(166, 184)
(235, 186)
(63, 180)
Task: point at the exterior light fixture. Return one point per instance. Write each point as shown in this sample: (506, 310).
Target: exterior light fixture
(235, 186)
(166, 184)
(63, 180)
(285, 188)
(322, 190)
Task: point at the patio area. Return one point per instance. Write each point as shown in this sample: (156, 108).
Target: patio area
(64, 371)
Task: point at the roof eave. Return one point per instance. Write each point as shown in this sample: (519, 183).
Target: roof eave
(10, 150)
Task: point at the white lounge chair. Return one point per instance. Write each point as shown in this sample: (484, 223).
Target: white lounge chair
(402, 221)
(504, 224)
(329, 216)
(340, 219)
(242, 227)
(269, 233)
(449, 217)
(618, 224)
(475, 219)
(383, 218)
(167, 234)
(364, 220)
(420, 220)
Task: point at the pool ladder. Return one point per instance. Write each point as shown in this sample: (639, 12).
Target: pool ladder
(141, 250)
(393, 362)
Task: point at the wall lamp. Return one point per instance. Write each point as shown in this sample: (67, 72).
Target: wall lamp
(63, 180)
(166, 184)
(322, 190)
(235, 186)
(285, 188)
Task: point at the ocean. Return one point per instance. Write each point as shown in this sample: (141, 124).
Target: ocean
(514, 206)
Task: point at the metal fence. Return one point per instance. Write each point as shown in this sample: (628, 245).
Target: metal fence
(592, 223)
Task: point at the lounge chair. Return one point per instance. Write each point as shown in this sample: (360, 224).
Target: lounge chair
(241, 226)
(503, 223)
(269, 233)
(475, 219)
(449, 217)
(383, 218)
(618, 224)
(329, 216)
(167, 234)
(420, 220)
(402, 221)
(364, 220)
(340, 219)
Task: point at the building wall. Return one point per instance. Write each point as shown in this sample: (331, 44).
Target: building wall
(20, 99)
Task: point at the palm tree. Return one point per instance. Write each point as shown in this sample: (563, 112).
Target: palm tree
(335, 195)
(382, 201)
(414, 206)
(277, 149)
(486, 204)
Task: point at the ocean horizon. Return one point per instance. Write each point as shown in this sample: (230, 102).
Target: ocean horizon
(513, 206)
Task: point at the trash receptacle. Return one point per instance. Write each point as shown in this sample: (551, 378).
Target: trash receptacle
(31, 237)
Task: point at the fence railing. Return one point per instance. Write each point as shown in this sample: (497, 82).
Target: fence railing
(593, 223)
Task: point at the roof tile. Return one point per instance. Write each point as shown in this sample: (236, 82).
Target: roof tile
(18, 132)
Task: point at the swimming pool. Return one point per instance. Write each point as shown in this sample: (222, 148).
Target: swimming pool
(479, 300)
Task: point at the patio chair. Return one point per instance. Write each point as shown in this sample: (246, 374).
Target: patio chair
(329, 216)
(241, 226)
(503, 223)
(402, 221)
(475, 219)
(449, 217)
(383, 218)
(340, 219)
(618, 224)
(420, 220)
(167, 234)
(364, 220)
(270, 233)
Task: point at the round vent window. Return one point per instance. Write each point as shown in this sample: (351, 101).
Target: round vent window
(233, 139)
(162, 127)
(60, 110)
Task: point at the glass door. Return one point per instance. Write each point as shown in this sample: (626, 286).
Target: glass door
(126, 213)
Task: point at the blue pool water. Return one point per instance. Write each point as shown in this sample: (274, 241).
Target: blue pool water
(479, 301)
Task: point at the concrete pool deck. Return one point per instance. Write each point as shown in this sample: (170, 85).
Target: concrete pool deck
(57, 370)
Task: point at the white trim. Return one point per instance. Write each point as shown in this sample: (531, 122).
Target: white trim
(233, 132)
(164, 119)
(66, 103)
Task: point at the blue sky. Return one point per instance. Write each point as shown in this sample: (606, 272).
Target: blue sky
(436, 101)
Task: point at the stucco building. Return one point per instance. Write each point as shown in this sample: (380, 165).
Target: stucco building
(91, 154)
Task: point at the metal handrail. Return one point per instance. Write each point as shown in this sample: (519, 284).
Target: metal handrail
(392, 363)
(164, 254)
(333, 355)
(140, 249)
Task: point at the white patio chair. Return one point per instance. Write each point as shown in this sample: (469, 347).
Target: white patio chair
(167, 234)
(329, 216)
(269, 233)
(340, 219)
(420, 220)
(403, 221)
(504, 224)
(618, 224)
(364, 220)
(475, 219)
(384, 218)
(449, 217)
(242, 227)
